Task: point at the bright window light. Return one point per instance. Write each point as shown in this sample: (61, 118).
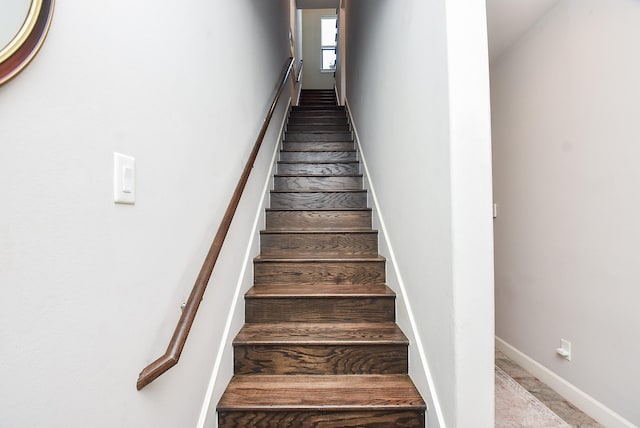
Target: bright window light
(328, 36)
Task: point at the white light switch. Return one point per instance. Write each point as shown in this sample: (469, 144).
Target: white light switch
(565, 349)
(124, 179)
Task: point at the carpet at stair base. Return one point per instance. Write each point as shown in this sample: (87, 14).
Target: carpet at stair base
(517, 408)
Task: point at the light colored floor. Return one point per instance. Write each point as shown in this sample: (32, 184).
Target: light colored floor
(561, 407)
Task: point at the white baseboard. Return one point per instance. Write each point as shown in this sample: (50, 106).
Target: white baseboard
(393, 264)
(576, 396)
(224, 340)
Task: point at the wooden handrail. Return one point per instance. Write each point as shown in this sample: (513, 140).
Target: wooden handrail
(172, 354)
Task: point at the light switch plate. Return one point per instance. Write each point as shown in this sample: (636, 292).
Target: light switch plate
(565, 349)
(124, 179)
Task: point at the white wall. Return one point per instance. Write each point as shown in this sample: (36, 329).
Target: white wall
(341, 60)
(299, 33)
(423, 122)
(92, 290)
(566, 131)
(312, 77)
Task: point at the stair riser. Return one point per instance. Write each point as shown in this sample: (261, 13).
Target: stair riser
(364, 244)
(318, 183)
(318, 146)
(317, 114)
(320, 359)
(320, 94)
(318, 220)
(318, 168)
(322, 419)
(317, 200)
(334, 108)
(295, 109)
(327, 157)
(342, 272)
(318, 102)
(338, 309)
(309, 136)
(319, 129)
(318, 99)
(318, 121)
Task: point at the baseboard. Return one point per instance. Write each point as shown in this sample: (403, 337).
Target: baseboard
(576, 396)
(246, 261)
(392, 263)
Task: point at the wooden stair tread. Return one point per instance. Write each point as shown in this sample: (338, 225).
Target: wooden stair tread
(304, 333)
(319, 120)
(316, 209)
(322, 392)
(318, 259)
(305, 175)
(321, 191)
(305, 137)
(318, 131)
(321, 150)
(317, 232)
(306, 108)
(326, 220)
(319, 291)
(311, 162)
(318, 146)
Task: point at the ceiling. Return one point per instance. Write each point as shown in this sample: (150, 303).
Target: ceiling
(508, 20)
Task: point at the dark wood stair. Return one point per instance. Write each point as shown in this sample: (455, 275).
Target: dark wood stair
(318, 97)
(323, 401)
(320, 347)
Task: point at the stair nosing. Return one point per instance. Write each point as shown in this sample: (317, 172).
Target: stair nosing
(318, 209)
(272, 259)
(317, 176)
(399, 337)
(415, 401)
(321, 291)
(286, 162)
(327, 151)
(317, 232)
(318, 191)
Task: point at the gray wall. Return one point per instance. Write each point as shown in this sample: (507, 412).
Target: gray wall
(566, 148)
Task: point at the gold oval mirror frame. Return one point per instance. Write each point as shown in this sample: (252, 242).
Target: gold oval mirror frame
(17, 54)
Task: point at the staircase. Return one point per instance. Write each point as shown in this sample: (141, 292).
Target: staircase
(320, 347)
